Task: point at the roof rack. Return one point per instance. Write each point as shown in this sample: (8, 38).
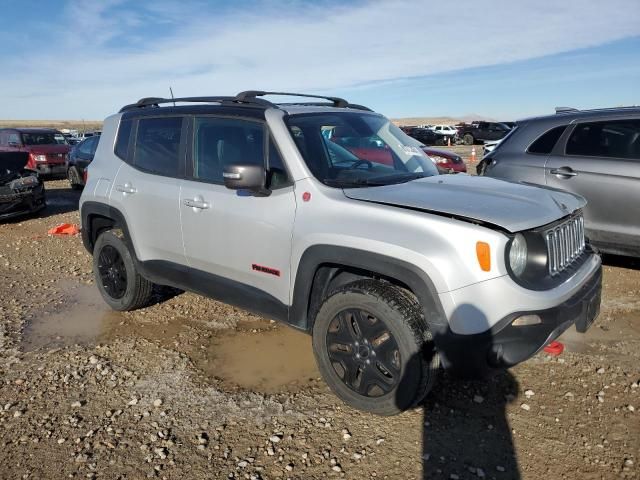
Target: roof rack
(566, 110)
(247, 98)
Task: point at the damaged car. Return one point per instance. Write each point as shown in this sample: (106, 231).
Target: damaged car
(21, 190)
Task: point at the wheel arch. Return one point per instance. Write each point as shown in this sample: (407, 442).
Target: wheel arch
(325, 267)
(97, 217)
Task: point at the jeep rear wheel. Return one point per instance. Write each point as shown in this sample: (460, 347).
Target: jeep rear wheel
(114, 269)
(468, 139)
(373, 348)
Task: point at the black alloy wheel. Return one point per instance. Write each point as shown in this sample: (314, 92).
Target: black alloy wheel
(363, 352)
(113, 273)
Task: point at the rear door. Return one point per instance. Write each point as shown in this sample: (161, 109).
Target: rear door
(241, 243)
(601, 161)
(147, 188)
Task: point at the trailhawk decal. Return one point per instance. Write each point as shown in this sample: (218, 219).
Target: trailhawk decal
(261, 268)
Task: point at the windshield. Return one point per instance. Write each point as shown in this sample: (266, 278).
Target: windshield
(45, 138)
(350, 149)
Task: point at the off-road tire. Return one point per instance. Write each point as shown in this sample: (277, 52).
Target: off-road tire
(138, 289)
(74, 178)
(468, 139)
(402, 315)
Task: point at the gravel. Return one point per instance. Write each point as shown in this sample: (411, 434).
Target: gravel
(137, 400)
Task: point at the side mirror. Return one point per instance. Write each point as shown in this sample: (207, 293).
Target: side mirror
(246, 177)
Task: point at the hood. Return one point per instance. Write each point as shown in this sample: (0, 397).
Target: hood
(511, 206)
(48, 149)
(13, 162)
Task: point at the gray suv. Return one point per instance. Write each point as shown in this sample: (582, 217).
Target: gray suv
(593, 153)
(393, 269)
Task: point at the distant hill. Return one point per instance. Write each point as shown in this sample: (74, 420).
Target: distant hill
(59, 124)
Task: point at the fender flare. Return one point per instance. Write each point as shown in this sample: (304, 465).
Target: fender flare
(96, 208)
(314, 257)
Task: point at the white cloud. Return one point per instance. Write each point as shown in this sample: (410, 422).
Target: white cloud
(287, 46)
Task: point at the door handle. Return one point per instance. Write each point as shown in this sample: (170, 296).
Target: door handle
(563, 172)
(126, 188)
(200, 204)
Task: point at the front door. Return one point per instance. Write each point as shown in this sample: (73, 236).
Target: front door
(240, 244)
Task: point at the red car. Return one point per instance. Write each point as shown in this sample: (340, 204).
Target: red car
(48, 150)
(446, 160)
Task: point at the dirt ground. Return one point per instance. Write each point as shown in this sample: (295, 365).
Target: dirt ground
(191, 388)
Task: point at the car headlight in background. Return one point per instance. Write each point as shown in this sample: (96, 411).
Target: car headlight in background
(438, 160)
(518, 254)
(40, 158)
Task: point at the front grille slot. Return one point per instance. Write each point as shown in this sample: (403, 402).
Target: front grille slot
(565, 243)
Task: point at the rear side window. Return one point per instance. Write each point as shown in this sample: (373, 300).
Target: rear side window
(545, 143)
(613, 139)
(158, 145)
(122, 141)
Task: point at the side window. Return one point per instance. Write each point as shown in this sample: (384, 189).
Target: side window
(122, 140)
(219, 142)
(158, 145)
(85, 147)
(14, 139)
(94, 145)
(277, 174)
(544, 144)
(614, 139)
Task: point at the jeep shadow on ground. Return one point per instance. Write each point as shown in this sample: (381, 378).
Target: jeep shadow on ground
(465, 431)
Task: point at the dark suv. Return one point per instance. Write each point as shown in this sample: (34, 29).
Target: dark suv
(594, 153)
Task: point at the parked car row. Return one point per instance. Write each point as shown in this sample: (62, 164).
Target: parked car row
(50, 152)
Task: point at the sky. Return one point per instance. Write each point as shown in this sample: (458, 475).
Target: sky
(501, 59)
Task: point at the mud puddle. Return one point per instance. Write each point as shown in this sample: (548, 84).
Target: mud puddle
(81, 320)
(261, 358)
(257, 355)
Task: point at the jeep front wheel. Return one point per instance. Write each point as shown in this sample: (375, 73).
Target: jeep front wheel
(373, 348)
(468, 139)
(114, 270)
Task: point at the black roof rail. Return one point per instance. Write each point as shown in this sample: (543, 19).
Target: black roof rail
(157, 101)
(566, 110)
(247, 98)
(252, 94)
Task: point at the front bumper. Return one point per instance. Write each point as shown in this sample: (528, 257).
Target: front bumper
(505, 345)
(17, 204)
(51, 169)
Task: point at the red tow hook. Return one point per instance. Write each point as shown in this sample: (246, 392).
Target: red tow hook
(554, 348)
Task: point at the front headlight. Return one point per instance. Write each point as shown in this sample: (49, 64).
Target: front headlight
(518, 254)
(40, 158)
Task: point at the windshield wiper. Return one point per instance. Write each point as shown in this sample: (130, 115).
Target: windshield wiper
(394, 178)
(378, 181)
(356, 182)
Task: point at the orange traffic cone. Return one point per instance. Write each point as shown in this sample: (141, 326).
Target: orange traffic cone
(473, 154)
(448, 141)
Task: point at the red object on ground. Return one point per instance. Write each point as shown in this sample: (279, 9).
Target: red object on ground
(554, 348)
(64, 229)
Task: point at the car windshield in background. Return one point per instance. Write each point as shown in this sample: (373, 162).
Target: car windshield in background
(42, 139)
(358, 149)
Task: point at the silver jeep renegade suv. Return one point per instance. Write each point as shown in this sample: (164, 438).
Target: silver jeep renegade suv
(327, 217)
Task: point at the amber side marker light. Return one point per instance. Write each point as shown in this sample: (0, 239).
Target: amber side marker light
(483, 252)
